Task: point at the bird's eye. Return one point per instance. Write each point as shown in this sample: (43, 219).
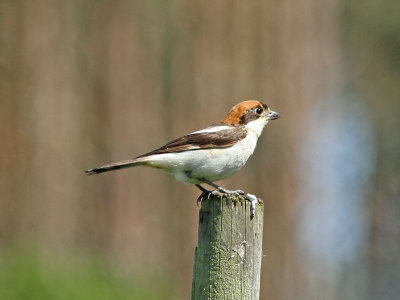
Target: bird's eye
(259, 110)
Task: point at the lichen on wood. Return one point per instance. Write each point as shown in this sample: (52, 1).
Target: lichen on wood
(229, 251)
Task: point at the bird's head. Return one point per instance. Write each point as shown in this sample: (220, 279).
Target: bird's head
(252, 114)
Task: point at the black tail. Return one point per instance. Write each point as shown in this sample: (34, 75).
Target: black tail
(113, 166)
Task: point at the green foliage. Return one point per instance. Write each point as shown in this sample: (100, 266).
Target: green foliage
(28, 274)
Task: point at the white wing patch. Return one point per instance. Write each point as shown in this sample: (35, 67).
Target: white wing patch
(213, 129)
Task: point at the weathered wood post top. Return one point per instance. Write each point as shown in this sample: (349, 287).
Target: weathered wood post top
(228, 255)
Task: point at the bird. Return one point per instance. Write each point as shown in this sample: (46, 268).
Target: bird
(210, 154)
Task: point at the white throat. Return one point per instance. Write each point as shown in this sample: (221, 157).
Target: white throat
(257, 126)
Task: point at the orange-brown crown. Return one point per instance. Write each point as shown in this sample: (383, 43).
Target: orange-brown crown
(239, 110)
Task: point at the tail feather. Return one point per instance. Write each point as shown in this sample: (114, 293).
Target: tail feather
(115, 166)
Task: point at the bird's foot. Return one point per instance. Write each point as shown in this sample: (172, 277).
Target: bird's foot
(205, 194)
(249, 197)
(220, 189)
(201, 197)
(253, 202)
(226, 191)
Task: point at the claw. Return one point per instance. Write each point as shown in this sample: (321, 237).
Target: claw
(207, 194)
(201, 197)
(253, 203)
(199, 200)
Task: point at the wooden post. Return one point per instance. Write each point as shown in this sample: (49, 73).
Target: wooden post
(228, 256)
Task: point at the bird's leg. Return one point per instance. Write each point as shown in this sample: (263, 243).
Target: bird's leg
(202, 189)
(223, 190)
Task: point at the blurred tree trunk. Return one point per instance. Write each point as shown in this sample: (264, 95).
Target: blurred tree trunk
(16, 146)
(45, 98)
(371, 36)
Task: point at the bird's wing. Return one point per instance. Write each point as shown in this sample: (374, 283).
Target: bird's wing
(211, 137)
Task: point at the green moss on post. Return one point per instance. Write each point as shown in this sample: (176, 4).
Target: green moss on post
(228, 256)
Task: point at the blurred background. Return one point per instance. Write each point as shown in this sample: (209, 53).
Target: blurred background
(83, 83)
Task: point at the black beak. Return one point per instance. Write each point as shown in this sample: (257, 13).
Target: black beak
(272, 115)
